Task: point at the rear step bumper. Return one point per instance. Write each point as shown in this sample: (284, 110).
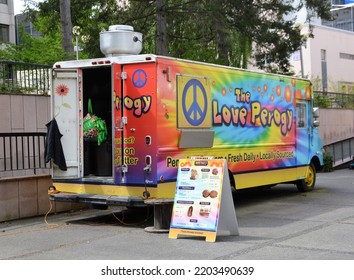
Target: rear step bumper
(97, 199)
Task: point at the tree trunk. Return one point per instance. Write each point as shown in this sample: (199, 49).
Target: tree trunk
(161, 28)
(66, 28)
(221, 36)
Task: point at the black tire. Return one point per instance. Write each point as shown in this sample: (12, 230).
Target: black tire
(307, 184)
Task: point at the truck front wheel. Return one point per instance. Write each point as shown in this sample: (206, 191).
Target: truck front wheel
(308, 183)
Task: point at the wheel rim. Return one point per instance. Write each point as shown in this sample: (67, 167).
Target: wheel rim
(310, 178)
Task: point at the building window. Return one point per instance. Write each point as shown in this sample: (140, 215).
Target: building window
(346, 56)
(3, 1)
(4, 33)
(323, 55)
(346, 87)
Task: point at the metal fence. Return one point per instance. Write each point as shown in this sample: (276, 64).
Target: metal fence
(20, 77)
(333, 100)
(22, 152)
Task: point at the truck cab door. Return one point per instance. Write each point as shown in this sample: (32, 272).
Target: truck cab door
(303, 131)
(66, 109)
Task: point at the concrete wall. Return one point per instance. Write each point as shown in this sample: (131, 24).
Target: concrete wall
(27, 196)
(336, 125)
(24, 113)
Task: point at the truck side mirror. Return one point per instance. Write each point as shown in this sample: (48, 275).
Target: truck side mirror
(316, 112)
(316, 115)
(316, 123)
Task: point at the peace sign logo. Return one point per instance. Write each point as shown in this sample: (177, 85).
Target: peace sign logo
(196, 112)
(139, 78)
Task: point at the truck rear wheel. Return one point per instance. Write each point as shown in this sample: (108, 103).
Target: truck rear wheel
(308, 183)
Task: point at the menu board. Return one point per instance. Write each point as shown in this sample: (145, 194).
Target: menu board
(198, 196)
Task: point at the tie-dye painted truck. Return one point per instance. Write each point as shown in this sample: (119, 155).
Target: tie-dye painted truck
(159, 110)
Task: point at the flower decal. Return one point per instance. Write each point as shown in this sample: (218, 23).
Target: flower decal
(62, 90)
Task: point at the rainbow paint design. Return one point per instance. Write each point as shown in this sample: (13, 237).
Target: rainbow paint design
(166, 110)
(252, 115)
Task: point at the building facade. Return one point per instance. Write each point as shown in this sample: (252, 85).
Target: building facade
(22, 22)
(327, 59)
(7, 22)
(343, 13)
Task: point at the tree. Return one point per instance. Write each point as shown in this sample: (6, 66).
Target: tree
(44, 50)
(278, 35)
(215, 31)
(219, 31)
(161, 28)
(66, 27)
(92, 16)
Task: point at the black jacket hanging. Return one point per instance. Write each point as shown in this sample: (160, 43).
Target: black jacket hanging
(53, 148)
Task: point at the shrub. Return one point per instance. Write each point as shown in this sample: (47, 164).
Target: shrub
(328, 162)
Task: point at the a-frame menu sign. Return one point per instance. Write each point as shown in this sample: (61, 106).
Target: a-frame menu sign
(203, 204)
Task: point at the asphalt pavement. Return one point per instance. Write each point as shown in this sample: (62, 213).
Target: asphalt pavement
(276, 223)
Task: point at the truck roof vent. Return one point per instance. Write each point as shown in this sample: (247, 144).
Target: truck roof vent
(120, 40)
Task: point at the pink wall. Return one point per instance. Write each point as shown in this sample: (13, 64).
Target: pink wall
(336, 125)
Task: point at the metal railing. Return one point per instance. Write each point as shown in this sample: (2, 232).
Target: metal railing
(336, 100)
(20, 77)
(22, 151)
(342, 151)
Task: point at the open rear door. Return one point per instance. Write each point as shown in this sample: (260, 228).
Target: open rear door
(66, 109)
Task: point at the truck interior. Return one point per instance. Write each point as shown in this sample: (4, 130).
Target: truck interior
(97, 86)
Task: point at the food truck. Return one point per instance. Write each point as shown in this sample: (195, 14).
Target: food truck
(157, 110)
